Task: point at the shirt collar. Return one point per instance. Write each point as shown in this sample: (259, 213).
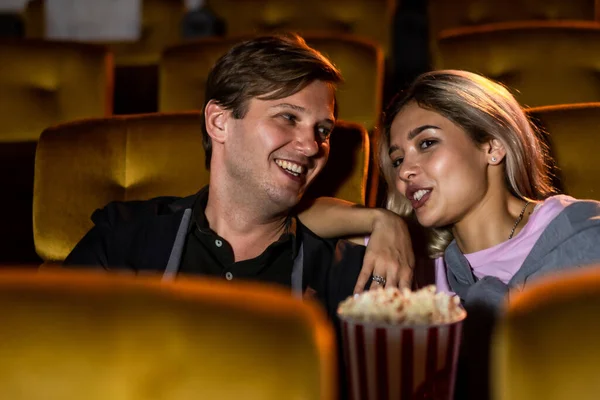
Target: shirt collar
(200, 222)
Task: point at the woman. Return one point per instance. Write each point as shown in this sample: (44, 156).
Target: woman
(459, 154)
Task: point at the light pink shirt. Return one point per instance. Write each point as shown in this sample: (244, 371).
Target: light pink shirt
(506, 258)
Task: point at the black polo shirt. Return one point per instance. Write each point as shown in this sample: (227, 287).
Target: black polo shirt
(207, 253)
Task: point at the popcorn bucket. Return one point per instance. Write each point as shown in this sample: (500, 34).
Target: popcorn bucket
(400, 362)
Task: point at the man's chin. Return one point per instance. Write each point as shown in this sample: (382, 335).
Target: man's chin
(286, 199)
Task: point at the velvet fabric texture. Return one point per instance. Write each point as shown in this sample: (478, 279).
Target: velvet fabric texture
(371, 19)
(542, 62)
(44, 83)
(573, 138)
(72, 335)
(443, 14)
(545, 344)
(82, 166)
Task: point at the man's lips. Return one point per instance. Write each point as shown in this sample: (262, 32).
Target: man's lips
(294, 171)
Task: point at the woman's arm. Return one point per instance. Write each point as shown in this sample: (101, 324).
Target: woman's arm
(329, 217)
(389, 252)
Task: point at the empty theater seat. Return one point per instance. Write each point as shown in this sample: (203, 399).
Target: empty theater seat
(573, 132)
(46, 82)
(443, 14)
(545, 345)
(72, 335)
(41, 83)
(545, 63)
(371, 19)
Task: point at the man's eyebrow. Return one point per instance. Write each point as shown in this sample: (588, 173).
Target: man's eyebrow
(411, 135)
(300, 109)
(291, 106)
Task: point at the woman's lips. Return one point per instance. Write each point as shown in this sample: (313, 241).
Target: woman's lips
(416, 204)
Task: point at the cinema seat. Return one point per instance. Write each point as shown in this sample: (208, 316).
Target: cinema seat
(83, 165)
(72, 335)
(545, 344)
(545, 63)
(573, 131)
(371, 19)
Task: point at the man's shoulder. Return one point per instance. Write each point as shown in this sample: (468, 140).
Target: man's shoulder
(130, 211)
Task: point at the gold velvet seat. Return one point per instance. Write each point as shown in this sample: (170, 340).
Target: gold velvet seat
(81, 166)
(183, 70)
(574, 131)
(545, 346)
(41, 84)
(161, 27)
(44, 83)
(371, 19)
(444, 14)
(72, 335)
(545, 63)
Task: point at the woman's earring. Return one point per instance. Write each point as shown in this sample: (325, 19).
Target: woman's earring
(493, 159)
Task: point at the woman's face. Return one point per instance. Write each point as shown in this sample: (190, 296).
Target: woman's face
(438, 168)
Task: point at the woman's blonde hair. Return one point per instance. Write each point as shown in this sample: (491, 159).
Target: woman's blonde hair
(485, 110)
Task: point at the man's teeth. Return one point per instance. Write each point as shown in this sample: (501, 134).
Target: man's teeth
(294, 169)
(420, 193)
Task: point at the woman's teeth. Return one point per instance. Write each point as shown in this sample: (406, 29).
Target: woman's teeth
(420, 193)
(290, 167)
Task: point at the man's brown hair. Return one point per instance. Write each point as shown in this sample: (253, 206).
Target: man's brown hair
(268, 68)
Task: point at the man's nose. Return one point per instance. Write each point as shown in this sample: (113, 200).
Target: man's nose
(306, 142)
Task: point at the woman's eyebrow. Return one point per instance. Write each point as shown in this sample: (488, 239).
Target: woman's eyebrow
(420, 129)
(412, 134)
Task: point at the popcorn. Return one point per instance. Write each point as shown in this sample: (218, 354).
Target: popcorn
(403, 306)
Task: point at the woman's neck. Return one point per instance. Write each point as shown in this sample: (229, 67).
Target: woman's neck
(491, 222)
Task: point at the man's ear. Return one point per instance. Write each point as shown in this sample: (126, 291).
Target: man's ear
(215, 118)
(495, 152)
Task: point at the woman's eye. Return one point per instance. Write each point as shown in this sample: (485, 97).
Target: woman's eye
(397, 162)
(427, 143)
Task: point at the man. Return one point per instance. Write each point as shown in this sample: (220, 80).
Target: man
(269, 110)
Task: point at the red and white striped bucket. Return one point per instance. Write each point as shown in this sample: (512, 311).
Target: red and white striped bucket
(400, 362)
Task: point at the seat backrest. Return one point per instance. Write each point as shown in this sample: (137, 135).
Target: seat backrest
(573, 132)
(43, 83)
(371, 19)
(160, 27)
(545, 63)
(545, 346)
(184, 68)
(444, 14)
(70, 335)
(82, 166)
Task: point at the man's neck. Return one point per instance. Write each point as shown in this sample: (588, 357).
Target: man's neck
(243, 224)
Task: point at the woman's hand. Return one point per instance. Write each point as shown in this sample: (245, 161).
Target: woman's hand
(389, 254)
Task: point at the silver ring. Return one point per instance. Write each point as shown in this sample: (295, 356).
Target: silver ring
(378, 279)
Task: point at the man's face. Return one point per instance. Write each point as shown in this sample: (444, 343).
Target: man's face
(277, 149)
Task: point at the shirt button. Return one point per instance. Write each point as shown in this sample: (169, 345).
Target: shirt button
(229, 276)
(218, 243)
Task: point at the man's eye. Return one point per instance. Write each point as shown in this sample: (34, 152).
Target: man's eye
(397, 162)
(324, 133)
(290, 117)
